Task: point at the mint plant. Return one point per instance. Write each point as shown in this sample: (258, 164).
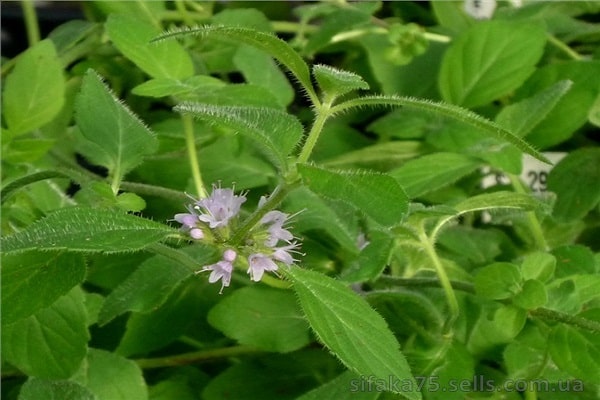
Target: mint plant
(324, 200)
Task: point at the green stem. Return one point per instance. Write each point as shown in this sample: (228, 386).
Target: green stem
(173, 254)
(530, 393)
(425, 282)
(273, 201)
(152, 190)
(292, 27)
(556, 316)
(559, 44)
(534, 224)
(323, 112)
(190, 143)
(444, 280)
(196, 357)
(12, 187)
(276, 283)
(31, 22)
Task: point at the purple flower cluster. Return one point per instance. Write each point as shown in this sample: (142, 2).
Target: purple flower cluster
(267, 243)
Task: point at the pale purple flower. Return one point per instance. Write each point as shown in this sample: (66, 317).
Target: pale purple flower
(259, 263)
(275, 220)
(222, 269)
(218, 208)
(189, 224)
(283, 253)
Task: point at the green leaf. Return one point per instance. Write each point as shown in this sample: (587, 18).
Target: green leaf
(457, 366)
(405, 309)
(498, 281)
(538, 265)
(162, 87)
(130, 202)
(522, 117)
(114, 136)
(35, 389)
(274, 378)
(496, 327)
(489, 202)
(372, 259)
(276, 132)
(576, 352)
(268, 43)
(231, 161)
(575, 181)
(594, 113)
(571, 112)
(34, 92)
(315, 213)
(497, 200)
(501, 56)
(23, 150)
(34, 280)
(432, 172)
(335, 82)
(265, 318)
(380, 156)
(51, 343)
(574, 259)
(448, 110)
(148, 287)
(89, 230)
(112, 377)
(243, 94)
(132, 37)
(533, 295)
(351, 329)
(344, 385)
(377, 195)
(156, 328)
(260, 69)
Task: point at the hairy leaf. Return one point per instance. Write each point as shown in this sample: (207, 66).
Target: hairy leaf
(377, 195)
(336, 82)
(266, 42)
(114, 137)
(276, 132)
(89, 230)
(461, 114)
(351, 329)
(36, 388)
(433, 171)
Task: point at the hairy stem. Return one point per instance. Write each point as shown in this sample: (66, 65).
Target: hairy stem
(152, 190)
(196, 357)
(273, 201)
(173, 254)
(323, 113)
(425, 282)
(556, 316)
